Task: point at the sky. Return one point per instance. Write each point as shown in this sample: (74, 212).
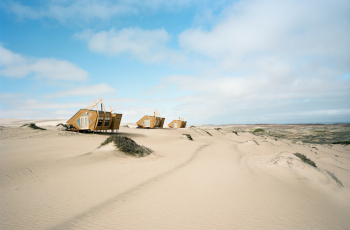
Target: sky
(211, 62)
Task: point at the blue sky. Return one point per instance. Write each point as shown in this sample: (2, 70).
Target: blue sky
(212, 62)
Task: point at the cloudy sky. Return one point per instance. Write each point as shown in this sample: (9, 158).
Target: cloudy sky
(212, 62)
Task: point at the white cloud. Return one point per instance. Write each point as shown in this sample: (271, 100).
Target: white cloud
(87, 10)
(89, 90)
(32, 104)
(146, 45)
(330, 112)
(9, 96)
(16, 65)
(19, 113)
(266, 57)
(282, 29)
(32, 108)
(64, 10)
(257, 98)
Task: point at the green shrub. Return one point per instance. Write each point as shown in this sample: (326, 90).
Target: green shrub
(305, 159)
(341, 143)
(334, 178)
(258, 130)
(33, 126)
(208, 133)
(128, 146)
(188, 136)
(64, 126)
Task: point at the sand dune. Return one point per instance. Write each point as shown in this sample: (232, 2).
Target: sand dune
(62, 180)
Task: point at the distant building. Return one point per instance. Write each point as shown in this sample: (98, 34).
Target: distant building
(178, 123)
(89, 119)
(151, 122)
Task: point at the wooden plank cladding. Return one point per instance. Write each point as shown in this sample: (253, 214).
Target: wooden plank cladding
(151, 122)
(90, 119)
(178, 124)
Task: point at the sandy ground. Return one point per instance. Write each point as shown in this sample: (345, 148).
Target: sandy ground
(55, 179)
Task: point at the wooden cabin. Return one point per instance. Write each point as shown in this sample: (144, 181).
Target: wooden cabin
(90, 119)
(151, 122)
(178, 123)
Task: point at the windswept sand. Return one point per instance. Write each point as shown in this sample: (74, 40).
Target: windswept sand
(61, 180)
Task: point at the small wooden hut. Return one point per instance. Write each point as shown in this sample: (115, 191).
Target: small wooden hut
(178, 123)
(151, 122)
(90, 119)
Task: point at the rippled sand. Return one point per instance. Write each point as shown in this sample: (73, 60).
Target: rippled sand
(221, 180)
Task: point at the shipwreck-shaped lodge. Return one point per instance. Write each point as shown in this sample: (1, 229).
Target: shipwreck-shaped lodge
(151, 122)
(93, 120)
(178, 123)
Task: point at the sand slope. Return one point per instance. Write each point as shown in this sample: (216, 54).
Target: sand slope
(61, 180)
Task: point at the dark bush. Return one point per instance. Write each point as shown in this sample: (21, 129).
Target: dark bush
(63, 125)
(33, 126)
(208, 133)
(341, 143)
(188, 136)
(258, 130)
(334, 178)
(128, 146)
(305, 159)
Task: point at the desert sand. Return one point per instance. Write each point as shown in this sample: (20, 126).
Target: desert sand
(55, 179)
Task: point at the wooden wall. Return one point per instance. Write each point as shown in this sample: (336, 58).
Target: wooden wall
(114, 122)
(162, 122)
(153, 123)
(180, 124)
(103, 126)
(93, 118)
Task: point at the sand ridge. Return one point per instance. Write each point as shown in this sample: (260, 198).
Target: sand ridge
(61, 180)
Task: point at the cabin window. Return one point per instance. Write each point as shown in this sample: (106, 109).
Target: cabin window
(108, 119)
(146, 123)
(100, 120)
(84, 121)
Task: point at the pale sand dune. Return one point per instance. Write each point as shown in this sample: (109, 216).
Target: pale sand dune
(20, 122)
(61, 180)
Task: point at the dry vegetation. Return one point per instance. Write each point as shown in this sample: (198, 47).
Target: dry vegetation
(33, 126)
(305, 159)
(188, 136)
(315, 134)
(128, 146)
